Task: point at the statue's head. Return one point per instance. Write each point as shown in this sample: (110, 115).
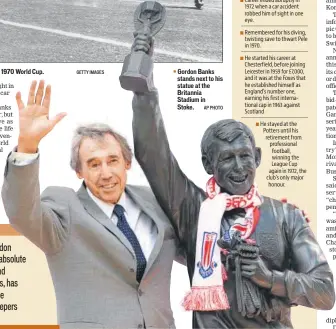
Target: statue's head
(229, 154)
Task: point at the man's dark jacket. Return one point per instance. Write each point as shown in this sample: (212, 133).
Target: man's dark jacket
(301, 275)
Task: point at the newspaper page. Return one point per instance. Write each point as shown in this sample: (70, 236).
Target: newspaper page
(269, 64)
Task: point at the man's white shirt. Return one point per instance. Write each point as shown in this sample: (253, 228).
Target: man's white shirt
(143, 227)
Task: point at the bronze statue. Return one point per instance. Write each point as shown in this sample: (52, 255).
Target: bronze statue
(257, 257)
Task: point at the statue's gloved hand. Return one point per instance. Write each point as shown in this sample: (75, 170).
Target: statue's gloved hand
(257, 271)
(227, 255)
(223, 244)
(143, 42)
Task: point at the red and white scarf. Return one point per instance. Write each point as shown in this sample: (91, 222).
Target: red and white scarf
(207, 291)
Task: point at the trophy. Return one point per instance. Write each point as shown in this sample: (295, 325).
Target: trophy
(136, 74)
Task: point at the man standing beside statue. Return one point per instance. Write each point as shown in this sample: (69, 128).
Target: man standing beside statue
(109, 246)
(250, 258)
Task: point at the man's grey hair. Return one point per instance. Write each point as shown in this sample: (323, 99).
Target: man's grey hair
(96, 131)
(225, 130)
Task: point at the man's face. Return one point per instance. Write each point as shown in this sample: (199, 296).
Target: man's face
(234, 164)
(103, 168)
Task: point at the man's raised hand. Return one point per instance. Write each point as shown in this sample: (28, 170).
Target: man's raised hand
(34, 118)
